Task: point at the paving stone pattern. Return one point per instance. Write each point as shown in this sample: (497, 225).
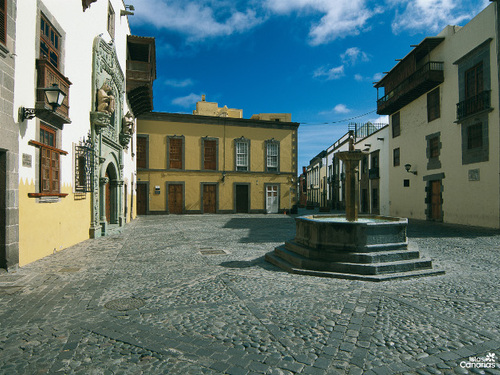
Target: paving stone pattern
(193, 295)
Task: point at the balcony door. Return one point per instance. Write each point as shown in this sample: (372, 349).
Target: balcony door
(272, 199)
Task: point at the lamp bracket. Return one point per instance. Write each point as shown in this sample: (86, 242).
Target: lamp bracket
(26, 113)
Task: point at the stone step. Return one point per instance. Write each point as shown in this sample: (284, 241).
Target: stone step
(364, 249)
(288, 267)
(352, 257)
(300, 261)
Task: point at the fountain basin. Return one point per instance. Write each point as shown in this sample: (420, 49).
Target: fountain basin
(335, 233)
(374, 248)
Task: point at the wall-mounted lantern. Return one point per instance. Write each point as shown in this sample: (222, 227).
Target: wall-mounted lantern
(55, 96)
(408, 167)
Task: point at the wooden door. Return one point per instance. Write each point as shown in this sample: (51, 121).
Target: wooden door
(142, 199)
(209, 199)
(272, 202)
(436, 204)
(175, 199)
(241, 199)
(108, 199)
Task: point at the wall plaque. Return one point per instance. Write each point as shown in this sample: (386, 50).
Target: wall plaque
(474, 175)
(27, 160)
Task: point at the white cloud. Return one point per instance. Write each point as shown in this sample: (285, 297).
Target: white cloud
(353, 55)
(340, 18)
(187, 101)
(432, 15)
(177, 83)
(358, 77)
(195, 19)
(329, 74)
(341, 108)
(377, 77)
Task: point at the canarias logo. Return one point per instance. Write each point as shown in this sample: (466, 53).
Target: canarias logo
(489, 361)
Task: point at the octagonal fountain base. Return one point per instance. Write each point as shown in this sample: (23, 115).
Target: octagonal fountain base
(374, 248)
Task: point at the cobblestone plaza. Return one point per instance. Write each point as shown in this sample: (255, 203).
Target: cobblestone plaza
(192, 294)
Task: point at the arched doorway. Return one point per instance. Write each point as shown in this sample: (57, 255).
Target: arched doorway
(111, 195)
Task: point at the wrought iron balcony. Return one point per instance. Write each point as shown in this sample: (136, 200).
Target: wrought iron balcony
(474, 104)
(419, 82)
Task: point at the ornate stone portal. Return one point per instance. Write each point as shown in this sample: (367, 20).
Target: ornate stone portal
(108, 88)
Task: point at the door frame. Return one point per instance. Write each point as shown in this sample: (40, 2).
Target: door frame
(428, 195)
(265, 195)
(147, 195)
(202, 184)
(183, 183)
(235, 197)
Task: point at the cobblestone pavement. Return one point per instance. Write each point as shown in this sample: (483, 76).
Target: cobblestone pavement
(193, 295)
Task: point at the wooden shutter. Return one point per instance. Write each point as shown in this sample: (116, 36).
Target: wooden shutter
(3, 21)
(142, 150)
(210, 155)
(175, 153)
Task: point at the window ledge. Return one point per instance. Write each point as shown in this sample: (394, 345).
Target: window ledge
(41, 195)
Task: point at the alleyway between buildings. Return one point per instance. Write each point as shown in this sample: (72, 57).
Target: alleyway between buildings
(192, 294)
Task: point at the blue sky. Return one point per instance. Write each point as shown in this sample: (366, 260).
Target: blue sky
(315, 59)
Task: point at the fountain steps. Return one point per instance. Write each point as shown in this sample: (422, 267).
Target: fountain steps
(300, 261)
(383, 254)
(288, 267)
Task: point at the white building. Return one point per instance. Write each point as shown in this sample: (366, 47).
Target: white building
(442, 99)
(76, 161)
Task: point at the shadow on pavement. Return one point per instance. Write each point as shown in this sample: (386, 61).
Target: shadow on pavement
(239, 264)
(429, 229)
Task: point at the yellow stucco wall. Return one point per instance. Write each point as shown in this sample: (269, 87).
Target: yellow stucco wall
(48, 227)
(192, 176)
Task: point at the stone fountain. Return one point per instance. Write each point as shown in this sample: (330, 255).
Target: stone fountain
(352, 246)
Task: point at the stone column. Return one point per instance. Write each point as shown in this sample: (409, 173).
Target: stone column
(351, 162)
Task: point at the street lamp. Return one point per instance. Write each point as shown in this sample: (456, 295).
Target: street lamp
(54, 95)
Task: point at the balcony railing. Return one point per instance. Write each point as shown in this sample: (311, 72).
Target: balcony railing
(48, 75)
(422, 80)
(474, 104)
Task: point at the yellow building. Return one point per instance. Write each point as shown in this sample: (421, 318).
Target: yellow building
(207, 164)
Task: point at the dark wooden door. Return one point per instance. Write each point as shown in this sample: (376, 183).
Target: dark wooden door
(364, 201)
(108, 199)
(209, 199)
(142, 199)
(436, 203)
(175, 201)
(242, 198)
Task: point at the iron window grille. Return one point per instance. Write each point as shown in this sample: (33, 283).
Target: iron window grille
(84, 166)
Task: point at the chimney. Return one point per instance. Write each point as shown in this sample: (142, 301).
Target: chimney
(203, 98)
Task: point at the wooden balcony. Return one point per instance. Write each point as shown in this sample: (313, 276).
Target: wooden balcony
(474, 105)
(141, 72)
(47, 76)
(416, 84)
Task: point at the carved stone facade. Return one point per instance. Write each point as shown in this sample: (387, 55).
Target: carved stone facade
(107, 130)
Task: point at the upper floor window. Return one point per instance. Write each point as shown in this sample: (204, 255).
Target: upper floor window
(209, 154)
(433, 150)
(3, 21)
(50, 42)
(175, 152)
(111, 21)
(475, 136)
(272, 155)
(242, 151)
(433, 109)
(396, 157)
(396, 125)
(474, 81)
(142, 151)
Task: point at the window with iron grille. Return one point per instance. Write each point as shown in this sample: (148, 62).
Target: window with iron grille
(142, 152)
(84, 171)
(272, 156)
(50, 42)
(242, 154)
